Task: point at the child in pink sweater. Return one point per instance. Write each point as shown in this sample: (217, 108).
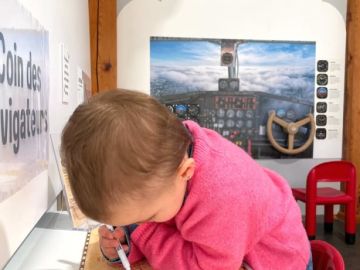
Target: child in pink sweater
(194, 199)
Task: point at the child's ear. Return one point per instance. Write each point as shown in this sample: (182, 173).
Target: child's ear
(187, 169)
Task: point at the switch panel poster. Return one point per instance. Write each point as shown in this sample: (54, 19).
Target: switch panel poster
(24, 92)
(274, 99)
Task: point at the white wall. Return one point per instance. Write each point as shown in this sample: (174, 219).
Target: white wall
(308, 20)
(67, 22)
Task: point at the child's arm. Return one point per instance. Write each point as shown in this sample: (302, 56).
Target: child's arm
(213, 238)
(165, 248)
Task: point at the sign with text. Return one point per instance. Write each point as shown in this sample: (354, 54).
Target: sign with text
(24, 92)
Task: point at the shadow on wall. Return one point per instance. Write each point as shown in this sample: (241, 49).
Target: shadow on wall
(168, 7)
(120, 4)
(4, 250)
(340, 5)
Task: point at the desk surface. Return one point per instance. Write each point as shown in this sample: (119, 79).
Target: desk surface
(51, 245)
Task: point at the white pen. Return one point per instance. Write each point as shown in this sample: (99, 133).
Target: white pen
(121, 252)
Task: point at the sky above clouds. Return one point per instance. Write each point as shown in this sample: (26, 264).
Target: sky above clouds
(194, 65)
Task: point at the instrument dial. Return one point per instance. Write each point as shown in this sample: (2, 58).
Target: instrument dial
(281, 113)
(240, 114)
(194, 110)
(322, 66)
(221, 123)
(170, 108)
(220, 113)
(239, 123)
(249, 123)
(230, 113)
(321, 107)
(249, 114)
(322, 79)
(322, 92)
(230, 123)
(180, 110)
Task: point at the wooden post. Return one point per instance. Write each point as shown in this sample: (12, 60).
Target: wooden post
(102, 16)
(352, 92)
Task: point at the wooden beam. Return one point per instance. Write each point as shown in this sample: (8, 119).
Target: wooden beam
(352, 91)
(102, 16)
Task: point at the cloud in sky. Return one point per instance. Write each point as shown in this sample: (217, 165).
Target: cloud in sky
(203, 78)
(276, 81)
(276, 54)
(185, 52)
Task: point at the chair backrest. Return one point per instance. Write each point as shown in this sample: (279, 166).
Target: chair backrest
(325, 256)
(333, 171)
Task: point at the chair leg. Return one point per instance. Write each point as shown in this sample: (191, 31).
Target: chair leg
(310, 220)
(350, 223)
(329, 218)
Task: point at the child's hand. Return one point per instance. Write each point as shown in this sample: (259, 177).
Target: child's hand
(109, 241)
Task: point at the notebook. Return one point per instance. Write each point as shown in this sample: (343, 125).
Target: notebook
(92, 258)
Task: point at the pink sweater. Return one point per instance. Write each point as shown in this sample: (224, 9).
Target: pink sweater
(235, 210)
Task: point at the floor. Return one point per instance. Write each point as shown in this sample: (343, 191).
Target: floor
(350, 253)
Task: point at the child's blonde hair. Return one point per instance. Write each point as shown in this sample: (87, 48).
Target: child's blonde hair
(114, 145)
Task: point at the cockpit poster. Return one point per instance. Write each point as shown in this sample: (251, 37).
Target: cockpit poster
(271, 98)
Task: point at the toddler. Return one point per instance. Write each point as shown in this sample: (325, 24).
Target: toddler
(185, 197)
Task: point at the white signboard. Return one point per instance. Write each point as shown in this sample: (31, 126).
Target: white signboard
(23, 107)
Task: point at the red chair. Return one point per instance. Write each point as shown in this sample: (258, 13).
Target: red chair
(326, 256)
(333, 171)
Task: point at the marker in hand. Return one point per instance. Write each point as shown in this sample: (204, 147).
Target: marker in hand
(121, 252)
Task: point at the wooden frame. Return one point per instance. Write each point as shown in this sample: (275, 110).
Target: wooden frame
(352, 92)
(102, 16)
